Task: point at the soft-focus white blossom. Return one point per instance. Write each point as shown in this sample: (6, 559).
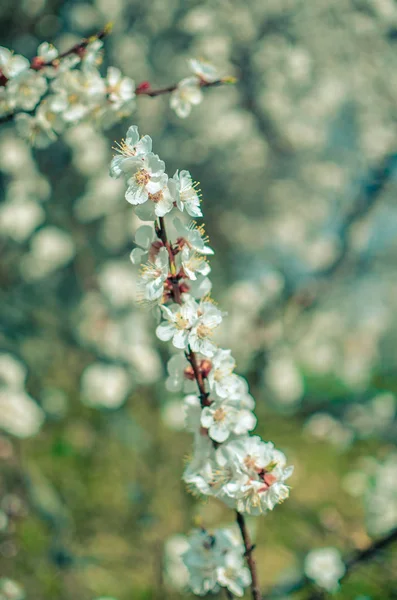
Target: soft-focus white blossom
(51, 249)
(380, 496)
(204, 70)
(12, 64)
(26, 89)
(11, 590)
(187, 94)
(325, 567)
(214, 560)
(20, 415)
(105, 385)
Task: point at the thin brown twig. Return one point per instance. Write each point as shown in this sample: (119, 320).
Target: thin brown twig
(38, 64)
(147, 91)
(256, 592)
(162, 234)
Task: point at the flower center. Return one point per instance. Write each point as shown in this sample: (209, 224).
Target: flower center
(219, 414)
(142, 177)
(203, 331)
(249, 462)
(156, 197)
(181, 322)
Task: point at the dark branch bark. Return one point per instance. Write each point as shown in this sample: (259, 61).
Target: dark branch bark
(256, 593)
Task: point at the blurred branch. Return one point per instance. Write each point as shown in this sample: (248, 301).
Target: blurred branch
(248, 78)
(144, 88)
(319, 281)
(370, 191)
(352, 562)
(37, 63)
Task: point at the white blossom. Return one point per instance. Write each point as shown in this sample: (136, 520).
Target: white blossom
(146, 248)
(47, 52)
(221, 378)
(187, 94)
(222, 419)
(325, 567)
(260, 473)
(208, 319)
(216, 559)
(194, 237)
(147, 181)
(130, 148)
(177, 379)
(77, 93)
(20, 415)
(36, 129)
(93, 55)
(153, 276)
(179, 321)
(105, 385)
(193, 263)
(26, 89)
(204, 70)
(11, 590)
(186, 194)
(120, 89)
(12, 64)
(51, 249)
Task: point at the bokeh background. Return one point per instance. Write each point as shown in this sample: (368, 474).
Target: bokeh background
(297, 164)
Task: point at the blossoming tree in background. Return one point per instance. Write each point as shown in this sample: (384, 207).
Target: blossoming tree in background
(68, 95)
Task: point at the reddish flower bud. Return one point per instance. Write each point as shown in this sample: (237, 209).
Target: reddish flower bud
(205, 367)
(183, 287)
(143, 87)
(37, 63)
(189, 373)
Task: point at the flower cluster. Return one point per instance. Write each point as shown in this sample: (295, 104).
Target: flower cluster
(228, 463)
(188, 91)
(214, 560)
(242, 470)
(55, 90)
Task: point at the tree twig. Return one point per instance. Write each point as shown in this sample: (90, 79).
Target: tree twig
(256, 593)
(192, 358)
(146, 90)
(351, 563)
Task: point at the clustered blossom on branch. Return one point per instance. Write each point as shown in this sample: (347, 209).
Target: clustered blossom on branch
(216, 560)
(228, 463)
(55, 90)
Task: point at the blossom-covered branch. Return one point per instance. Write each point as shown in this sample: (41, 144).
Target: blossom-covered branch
(227, 463)
(55, 90)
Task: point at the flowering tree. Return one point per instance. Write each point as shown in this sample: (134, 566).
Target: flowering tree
(241, 470)
(72, 305)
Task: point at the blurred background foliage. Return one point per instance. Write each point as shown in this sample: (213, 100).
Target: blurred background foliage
(297, 164)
